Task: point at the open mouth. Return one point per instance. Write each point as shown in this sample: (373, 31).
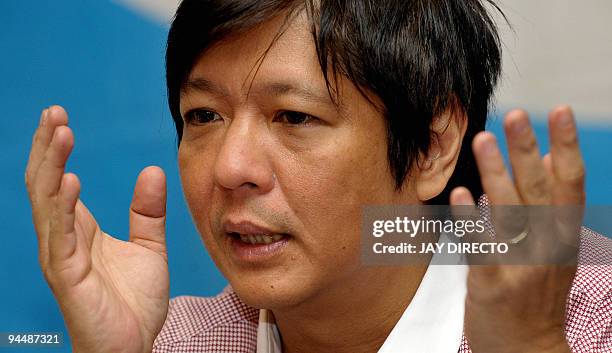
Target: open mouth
(258, 239)
(251, 243)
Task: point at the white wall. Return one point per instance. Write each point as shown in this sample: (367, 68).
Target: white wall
(560, 51)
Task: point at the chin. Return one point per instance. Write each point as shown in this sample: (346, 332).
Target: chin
(271, 291)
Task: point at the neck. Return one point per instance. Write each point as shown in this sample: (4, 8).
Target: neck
(353, 316)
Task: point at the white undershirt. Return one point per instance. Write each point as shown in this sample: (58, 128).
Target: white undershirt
(432, 322)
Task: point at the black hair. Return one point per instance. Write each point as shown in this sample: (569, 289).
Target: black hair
(418, 57)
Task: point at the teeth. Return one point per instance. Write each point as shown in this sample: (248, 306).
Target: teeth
(260, 239)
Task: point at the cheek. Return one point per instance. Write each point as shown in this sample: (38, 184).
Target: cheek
(196, 178)
(329, 187)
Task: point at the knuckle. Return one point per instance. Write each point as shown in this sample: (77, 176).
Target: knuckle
(536, 188)
(43, 260)
(496, 170)
(44, 266)
(527, 145)
(50, 278)
(570, 139)
(573, 177)
(28, 179)
(34, 201)
(48, 270)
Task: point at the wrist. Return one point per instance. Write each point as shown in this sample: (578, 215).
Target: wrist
(542, 343)
(557, 346)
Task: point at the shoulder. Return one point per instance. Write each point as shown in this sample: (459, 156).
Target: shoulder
(589, 305)
(220, 323)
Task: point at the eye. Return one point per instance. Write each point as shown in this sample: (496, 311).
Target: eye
(201, 116)
(295, 118)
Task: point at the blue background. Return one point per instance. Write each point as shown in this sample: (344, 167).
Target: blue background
(105, 65)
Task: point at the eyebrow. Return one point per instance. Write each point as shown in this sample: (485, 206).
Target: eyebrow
(203, 85)
(273, 89)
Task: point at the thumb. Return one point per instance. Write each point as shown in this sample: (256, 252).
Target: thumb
(148, 211)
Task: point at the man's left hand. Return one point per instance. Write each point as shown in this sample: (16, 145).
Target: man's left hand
(512, 308)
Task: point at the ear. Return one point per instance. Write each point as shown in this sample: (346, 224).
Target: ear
(435, 169)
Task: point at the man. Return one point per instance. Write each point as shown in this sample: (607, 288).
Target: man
(277, 156)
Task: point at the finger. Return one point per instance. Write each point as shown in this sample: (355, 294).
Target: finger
(148, 211)
(62, 242)
(49, 175)
(50, 118)
(463, 206)
(499, 188)
(461, 196)
(480, 229)
(494, 176)
(568, 170)
(567, 163)
(35, 146)
(88, 225)
(527, 168)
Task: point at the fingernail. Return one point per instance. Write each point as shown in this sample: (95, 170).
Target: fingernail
(43, 117)
(519, 127)
(489, 147)
(463, 199)
(565, 119)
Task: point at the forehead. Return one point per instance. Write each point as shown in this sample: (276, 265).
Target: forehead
(262, 54)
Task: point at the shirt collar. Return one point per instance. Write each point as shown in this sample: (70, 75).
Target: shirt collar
(432, 322)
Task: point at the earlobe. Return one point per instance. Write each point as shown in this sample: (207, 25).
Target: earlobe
(436, 168)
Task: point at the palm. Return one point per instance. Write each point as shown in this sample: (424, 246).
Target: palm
(122, 285)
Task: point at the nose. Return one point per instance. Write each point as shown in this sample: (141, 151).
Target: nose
(242, 163)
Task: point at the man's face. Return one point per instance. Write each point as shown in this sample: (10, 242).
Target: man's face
(282, 167)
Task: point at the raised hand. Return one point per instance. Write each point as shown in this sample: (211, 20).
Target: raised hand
(113, 294)
(513, 308)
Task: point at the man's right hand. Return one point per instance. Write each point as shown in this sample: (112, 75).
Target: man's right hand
(113, 294)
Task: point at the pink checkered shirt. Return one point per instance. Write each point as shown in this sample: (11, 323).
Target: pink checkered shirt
(224, 324)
